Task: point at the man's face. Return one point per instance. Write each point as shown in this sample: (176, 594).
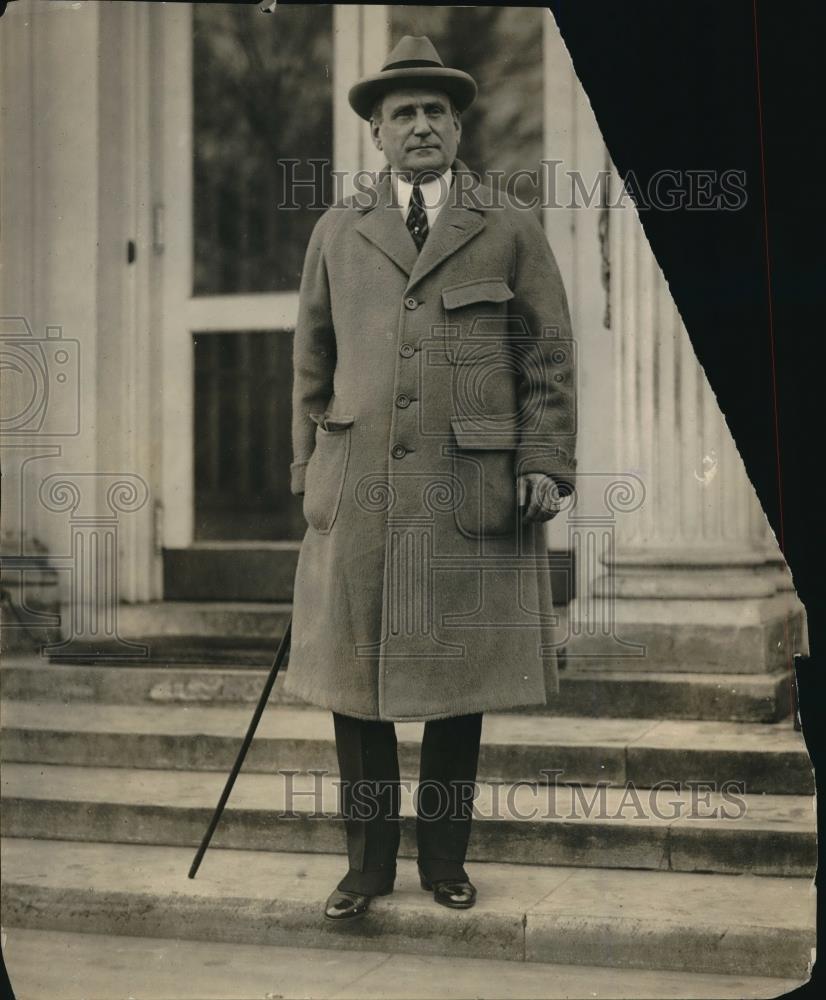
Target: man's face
(417, 132)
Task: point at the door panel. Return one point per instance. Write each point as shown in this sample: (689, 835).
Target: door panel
(262, 94)
(241, 91)
(237, 94)
(242, 437)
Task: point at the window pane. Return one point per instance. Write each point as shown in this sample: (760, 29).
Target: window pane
(501, 48)
(262, 93)
(243, 385)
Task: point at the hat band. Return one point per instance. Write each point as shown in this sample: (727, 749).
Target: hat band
(412, 64)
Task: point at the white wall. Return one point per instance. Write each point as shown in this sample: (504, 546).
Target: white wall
(83, 167)
(68, 210)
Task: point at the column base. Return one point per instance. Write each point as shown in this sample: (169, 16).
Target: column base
(734, 636)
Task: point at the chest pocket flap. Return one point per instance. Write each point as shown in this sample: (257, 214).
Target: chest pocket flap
(480, 290)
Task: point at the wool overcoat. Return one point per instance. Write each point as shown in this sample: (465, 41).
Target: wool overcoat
(424, 383)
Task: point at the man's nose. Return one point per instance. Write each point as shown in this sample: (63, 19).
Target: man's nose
(422, 126)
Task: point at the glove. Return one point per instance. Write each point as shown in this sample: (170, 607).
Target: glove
(539, 495)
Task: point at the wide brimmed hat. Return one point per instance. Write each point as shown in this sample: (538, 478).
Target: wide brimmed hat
(414, 62)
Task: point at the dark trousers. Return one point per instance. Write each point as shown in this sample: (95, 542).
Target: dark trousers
(370, 798)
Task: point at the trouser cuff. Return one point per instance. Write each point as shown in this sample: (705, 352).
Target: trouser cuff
(439, 870)
(368, 883)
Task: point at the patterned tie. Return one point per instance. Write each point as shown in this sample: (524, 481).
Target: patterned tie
(417, 217)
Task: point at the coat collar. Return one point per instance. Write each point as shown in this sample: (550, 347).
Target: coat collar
(460, 220)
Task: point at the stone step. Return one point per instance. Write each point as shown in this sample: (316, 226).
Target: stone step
(264, 571)
(227, 619)
(628, 919)
(188, 629)
(583, 691)
(762, 758)
(542, 825)
(230, 571)
(245, 632)
(667, 695)
(98, 965)
(171, 650)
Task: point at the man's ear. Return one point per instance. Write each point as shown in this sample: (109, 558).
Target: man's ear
(374, 133)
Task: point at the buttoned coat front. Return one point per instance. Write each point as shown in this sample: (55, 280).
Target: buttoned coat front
(424, 383)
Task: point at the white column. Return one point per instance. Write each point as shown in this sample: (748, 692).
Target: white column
(72, 144)
(700, 504)
(360, 43)
(49, 255)
(694, 576)
(575, 167)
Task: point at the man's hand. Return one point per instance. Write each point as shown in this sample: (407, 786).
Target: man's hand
(539, 495)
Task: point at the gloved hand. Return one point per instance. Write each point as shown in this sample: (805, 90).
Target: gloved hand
(539, 495)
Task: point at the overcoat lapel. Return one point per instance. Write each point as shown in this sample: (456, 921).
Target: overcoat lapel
(454, 226)
(458, 222)
(384, 226)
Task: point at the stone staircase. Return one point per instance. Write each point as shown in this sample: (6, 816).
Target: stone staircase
(199, 649)
(112, 768)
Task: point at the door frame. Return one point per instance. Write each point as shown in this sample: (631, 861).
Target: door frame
(571, 135)
(181, 313)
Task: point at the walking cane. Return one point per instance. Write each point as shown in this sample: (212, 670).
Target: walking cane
(283, 646)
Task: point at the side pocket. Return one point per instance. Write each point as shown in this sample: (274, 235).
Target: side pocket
(326, 472)
(483, 463)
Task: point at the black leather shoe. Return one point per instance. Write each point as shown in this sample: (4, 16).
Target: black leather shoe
(343, 906)
(459, 894)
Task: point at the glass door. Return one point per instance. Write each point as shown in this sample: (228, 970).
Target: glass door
(245, 103)
(247, 106)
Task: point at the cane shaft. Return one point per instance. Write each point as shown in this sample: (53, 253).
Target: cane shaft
(283, 646)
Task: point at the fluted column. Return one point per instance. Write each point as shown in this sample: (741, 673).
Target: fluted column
(361, 39)
(693, 577)
(670, 430)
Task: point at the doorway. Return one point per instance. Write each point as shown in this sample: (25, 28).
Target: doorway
(248, 102)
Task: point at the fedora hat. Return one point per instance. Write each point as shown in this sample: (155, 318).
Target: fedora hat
(414, 62)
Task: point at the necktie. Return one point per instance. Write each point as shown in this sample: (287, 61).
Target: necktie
(417, 217)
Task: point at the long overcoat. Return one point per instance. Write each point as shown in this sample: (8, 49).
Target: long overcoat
(424, 383)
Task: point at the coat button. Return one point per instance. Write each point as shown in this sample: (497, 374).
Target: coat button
(407, 350)
(398, 451)
(410, 302)
(402, 401)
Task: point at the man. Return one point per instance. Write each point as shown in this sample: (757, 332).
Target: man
(433, 424)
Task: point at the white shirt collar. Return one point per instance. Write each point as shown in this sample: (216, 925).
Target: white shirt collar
(434, 194)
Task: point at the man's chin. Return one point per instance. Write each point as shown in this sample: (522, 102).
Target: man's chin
(427, 159)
